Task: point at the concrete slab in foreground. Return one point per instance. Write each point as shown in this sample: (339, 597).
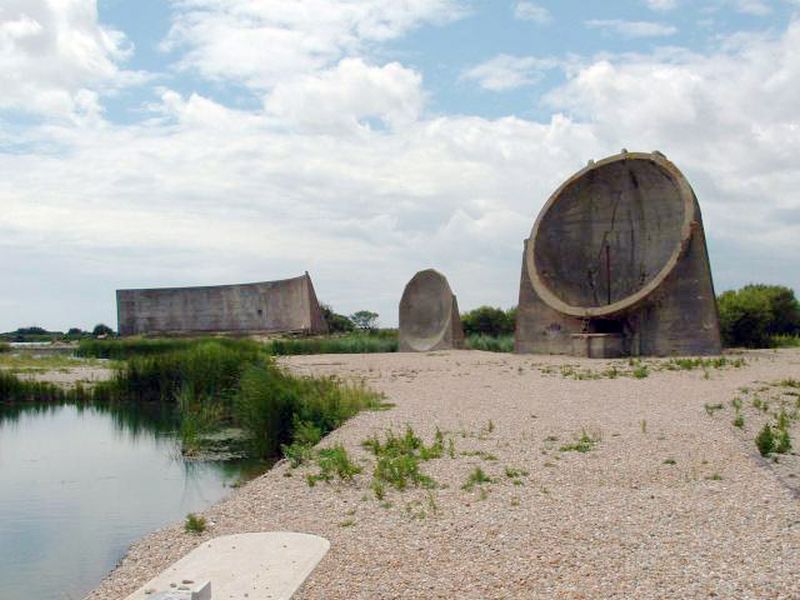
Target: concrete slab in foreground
(256, 566)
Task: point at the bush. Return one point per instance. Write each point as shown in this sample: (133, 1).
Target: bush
(755, 314)
(336, 323)
(101, 329)
(765, 440)
(486, 320)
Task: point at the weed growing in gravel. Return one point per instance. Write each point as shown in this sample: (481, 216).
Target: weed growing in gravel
(791, 383)
(399, 459)
(347, 523)
(765, 441)
(783, 443)
(512, 473)
(476, 477)
(669, 461)
(584, 444)
(714, 477)
(194, 524)
(640, 372)
(334, 462)
(738, 420)
(643, 425)
(487, 456)
(712, 408)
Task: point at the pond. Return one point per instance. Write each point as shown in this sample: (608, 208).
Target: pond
(78, 485)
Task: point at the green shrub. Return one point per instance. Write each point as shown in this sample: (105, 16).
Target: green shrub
(765, 440)
(336, 323)
(194, 524)
(399, 458)
(4, 347)
(489, 321)
(755, 314)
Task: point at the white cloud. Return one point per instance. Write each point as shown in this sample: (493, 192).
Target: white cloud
(633, 29)
(345, 97)
(505, 72)
(759, 8)
(55, 56)
(661, 5)
(262, 42)
(530, 11)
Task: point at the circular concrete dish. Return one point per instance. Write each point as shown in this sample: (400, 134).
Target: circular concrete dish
(426, 312)
(610, 235)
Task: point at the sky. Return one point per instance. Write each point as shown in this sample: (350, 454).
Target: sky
(159, 143)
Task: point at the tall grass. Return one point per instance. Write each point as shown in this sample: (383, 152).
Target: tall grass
(210, 369)
(355, 343)
(121, 349)
(15, 390)
(278, 409)
(785, 341)
(214, 383)
(479, 341)
(5, 347)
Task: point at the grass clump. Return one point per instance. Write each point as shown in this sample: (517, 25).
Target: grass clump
(584, 444)
(399, 458)
(765, 440)
(712, 408)
(194, 524)
(476, 477)
(334, 462)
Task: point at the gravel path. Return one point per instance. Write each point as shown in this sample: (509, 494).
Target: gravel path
(615, 522)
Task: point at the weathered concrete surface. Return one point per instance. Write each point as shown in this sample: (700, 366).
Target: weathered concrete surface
(619, 248)
(429, 318)
(269, 306)
(257, 566)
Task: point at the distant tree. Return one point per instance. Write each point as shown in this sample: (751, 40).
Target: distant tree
(33, 330)
(365, 320)
(75, 332)
(336, 323)
(753, 314)
(488, 320)
(101, 329)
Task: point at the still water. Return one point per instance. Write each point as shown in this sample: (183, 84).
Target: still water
(79, 485)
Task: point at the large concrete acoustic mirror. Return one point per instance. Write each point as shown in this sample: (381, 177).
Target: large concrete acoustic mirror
(429, 318)
(616, 264)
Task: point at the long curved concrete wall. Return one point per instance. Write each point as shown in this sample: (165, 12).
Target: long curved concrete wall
(268, 306)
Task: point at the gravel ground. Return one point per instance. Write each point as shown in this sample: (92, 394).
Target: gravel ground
(615, 522)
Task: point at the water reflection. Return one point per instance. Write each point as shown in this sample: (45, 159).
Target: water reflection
(78, 484)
